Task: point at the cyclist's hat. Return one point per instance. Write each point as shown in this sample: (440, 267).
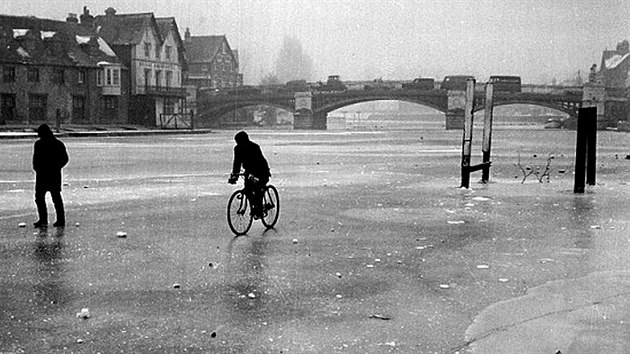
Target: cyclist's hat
(241, 137)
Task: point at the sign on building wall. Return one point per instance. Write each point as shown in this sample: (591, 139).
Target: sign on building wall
(303, 101)
(456, 99)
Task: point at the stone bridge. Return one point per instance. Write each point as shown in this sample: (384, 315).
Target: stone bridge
(311, 108)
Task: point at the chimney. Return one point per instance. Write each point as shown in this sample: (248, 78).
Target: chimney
(86, 18)
(187, 34)
(72, 18)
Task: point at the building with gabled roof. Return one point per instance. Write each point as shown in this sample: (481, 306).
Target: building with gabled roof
(154, 52)
(211, 62)
(615, 66)
(58, 70)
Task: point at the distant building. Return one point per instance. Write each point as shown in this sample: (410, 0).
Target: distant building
(153, 51)
(211, 62)
(59, 69)
(615, 66)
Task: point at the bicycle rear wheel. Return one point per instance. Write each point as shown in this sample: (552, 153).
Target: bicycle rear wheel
(239, 214)
(271, 206)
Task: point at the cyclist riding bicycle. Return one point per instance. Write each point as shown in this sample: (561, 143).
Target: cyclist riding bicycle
(248, 155)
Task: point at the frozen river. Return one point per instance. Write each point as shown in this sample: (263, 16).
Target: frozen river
(391, 255)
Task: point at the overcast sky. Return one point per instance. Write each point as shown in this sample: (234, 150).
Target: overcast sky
(393, 39)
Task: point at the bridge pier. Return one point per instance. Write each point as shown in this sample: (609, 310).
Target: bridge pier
(594, 95)
(305, 119)
(455, 109)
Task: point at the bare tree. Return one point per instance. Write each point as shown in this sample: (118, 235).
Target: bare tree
(292, 62)
(270, 79)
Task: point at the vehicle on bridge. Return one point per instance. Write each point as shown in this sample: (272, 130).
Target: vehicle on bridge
(420, 84)
(455, 82)
(506, 83)
(297, 86)
(333, 84)
(380, 84)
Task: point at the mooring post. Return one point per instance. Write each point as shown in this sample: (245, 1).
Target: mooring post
(468, 126)
(586, 117)
(487, 132)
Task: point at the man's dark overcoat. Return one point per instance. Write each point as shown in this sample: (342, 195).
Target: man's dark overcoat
(49, 157)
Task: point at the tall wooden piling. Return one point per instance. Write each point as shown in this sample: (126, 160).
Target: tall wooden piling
(487, 132)
(468, 127)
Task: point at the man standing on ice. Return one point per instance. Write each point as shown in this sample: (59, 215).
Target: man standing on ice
(49, 157)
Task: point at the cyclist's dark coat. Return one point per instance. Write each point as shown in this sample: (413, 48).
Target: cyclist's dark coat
(249, 155)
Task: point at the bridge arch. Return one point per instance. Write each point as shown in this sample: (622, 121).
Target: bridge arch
(437, 102)
(564, 107)
(207, 111)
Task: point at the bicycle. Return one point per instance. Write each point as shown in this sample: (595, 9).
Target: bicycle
(239, 211)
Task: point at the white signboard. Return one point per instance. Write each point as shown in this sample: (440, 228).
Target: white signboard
(303, 101)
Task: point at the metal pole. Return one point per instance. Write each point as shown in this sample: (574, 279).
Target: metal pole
(591, 145)
(487, 132)
(468, 125)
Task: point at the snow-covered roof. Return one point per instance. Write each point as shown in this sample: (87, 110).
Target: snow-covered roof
(83, 39)
(102, 45)
(19, 32)
(22, 52)
(47, 34)
(615, 60)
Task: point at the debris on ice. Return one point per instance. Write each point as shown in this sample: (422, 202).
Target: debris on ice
(84, 314)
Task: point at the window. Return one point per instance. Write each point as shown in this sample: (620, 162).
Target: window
(169, 106)
(158, 78)
(112, 76)
(81, 76)
(157, 52)
(33, 74)
(110, 102)
(147, 50)
(147, 77)
(7, 106)
(8, 74)
(167, 52)
(116, 76)
(99, 78)
(37, 107)
(169, 78)
(58, 76)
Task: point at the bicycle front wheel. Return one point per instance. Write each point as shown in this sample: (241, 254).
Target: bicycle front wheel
(239, 214)
(271, 206)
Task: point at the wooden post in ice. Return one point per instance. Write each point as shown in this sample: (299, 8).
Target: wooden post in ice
(487, 133)
(585, 149)
(468, 126)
